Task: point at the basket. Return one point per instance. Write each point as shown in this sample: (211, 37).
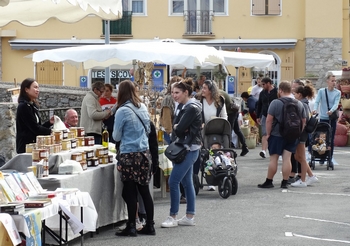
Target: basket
(345, 103)
(245, 130)
(345, 88)
(251, 141)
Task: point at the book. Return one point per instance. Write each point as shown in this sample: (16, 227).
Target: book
(12, 208)
(35, 182)
(36, 203)
(31, 189)
(20, 183)
(17, 191)
(6, 189)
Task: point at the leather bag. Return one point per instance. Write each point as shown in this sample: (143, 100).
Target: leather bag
(311, 124)
(176, 152)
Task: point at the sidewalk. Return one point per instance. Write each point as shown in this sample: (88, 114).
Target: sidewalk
(254, 217)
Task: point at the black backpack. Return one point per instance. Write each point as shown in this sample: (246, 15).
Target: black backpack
(291, 126)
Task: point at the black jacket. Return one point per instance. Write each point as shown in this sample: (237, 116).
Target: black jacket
(265, 98)
(189, 123)
(28, 125)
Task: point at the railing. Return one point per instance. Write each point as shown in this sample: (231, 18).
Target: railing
(122, 26)
(60, 112)
(198, 22)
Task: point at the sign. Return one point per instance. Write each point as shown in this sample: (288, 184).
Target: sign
(157, 76)
(230, 80)
(83, 81)
(114, 74)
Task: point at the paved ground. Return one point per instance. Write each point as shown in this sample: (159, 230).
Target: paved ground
(316, 215)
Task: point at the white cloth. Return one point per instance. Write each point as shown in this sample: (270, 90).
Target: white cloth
(256, 91)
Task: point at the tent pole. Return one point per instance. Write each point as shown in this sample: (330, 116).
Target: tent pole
(107, 42)
(236, 82)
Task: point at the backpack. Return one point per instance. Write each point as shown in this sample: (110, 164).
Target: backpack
(291, 126)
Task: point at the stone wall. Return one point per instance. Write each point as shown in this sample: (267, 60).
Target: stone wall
(50, 97)
(322, 55)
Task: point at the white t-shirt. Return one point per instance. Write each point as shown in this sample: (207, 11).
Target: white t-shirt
(256, 91)
(210, 111)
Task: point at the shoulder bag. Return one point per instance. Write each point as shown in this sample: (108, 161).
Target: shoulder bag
(176, 152)
(311, 124)
(335, 114)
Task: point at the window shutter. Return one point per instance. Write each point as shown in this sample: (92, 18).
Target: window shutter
(274, 7)
(258, 7)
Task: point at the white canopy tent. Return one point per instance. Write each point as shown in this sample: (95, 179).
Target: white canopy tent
(37, 12)
(170, 53)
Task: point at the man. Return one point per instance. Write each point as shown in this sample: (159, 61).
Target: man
(257, 88)
(71, 118)
(92, 114)
(277, 144)
(333, 95)
(266, 96)
(232, 117)
(201, 80)
(251, 104)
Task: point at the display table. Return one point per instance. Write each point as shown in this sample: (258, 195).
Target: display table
(104, 186)
(166, 166)
(22, 161)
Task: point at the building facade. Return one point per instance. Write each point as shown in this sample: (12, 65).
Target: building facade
(306, 37)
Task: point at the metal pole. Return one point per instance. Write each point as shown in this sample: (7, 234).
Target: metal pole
(107, 42)
(236, 82)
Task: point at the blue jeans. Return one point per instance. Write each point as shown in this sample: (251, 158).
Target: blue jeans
(183, 173)
(333, 124)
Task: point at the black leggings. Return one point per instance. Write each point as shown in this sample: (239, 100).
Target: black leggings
(130, 197)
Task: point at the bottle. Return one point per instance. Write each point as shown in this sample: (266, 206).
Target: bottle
(160, 136)
(105, 137)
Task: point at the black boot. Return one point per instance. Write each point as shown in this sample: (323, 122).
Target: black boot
(244, 150)
(148, 229)
(130, 230)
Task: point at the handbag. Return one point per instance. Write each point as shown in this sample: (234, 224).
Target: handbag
(176, 152)
(335, 114)
(311, 124)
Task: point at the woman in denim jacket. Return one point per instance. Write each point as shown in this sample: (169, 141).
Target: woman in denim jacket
(133, 162)
(186, 129)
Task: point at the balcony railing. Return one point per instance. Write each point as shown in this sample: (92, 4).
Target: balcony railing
(198, 22)
(122, 26)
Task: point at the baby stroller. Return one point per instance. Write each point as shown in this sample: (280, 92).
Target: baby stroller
(321, 145)
(218, 130)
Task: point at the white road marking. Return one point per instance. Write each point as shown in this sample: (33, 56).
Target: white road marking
(320, 220)
(287, 234)
(316, 193)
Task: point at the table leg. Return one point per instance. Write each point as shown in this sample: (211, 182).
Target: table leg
(162, 184)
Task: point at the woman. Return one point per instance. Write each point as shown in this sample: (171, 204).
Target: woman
(131, 128)
(186, 129)
(213, 105)
(303, 93)
(28, 122)
(107, 101)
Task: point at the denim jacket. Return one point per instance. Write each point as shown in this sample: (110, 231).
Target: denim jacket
(129, 130)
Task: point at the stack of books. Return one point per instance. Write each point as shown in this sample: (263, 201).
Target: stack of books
(36, 203)
(12, 208)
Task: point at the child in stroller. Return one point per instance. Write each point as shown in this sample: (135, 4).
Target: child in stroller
(221, 160)
(217, 137)
(321, 141)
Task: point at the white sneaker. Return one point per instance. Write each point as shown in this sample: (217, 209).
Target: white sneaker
(186, 221)
(299, 183)
(138, 224)
(169, 222)
(263, 154)
(211, 188)
(311, 180)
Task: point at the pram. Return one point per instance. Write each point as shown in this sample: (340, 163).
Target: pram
(321, 145)
(218, 130)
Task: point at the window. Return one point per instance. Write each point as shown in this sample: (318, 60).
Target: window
(266, 7)
(179, 7)
(138, 7)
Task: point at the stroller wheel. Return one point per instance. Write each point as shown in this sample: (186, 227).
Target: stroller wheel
(234, 185)
(225, 187)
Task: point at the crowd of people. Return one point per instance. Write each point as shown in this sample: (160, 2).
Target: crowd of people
(187, 106)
